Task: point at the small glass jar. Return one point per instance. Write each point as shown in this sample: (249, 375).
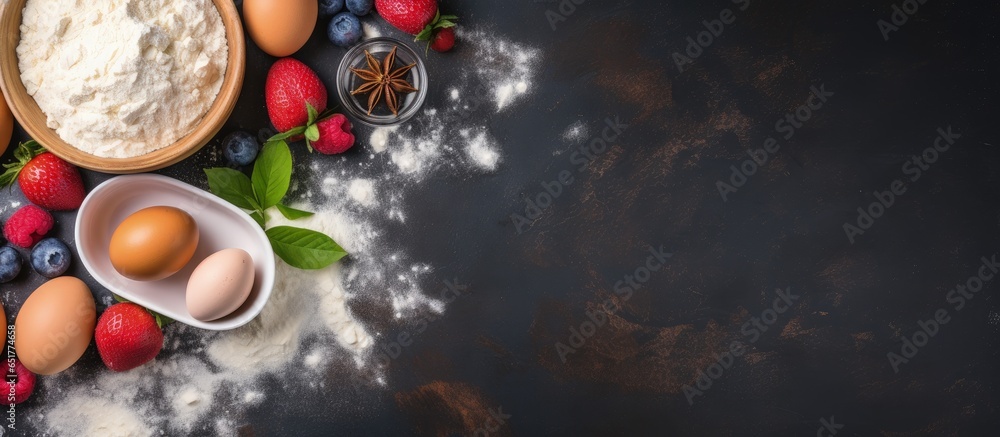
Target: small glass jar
(357, 105)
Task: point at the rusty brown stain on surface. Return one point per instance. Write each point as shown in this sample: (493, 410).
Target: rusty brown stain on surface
(754, 358)
(794, 328)
(862, 339)
(444, 409)
(846, 273)
(634, 357)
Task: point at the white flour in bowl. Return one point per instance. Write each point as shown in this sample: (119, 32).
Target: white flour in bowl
(122, 78)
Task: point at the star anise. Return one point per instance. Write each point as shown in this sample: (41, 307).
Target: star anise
(382, 82)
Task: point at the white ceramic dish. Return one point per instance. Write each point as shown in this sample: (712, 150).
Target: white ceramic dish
(221, 225)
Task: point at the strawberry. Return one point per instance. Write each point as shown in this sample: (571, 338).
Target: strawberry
(127, 336)
(292, 87)
(334, 135)
(444, 40)
(410, 16)
(45, 179)
(416, 17)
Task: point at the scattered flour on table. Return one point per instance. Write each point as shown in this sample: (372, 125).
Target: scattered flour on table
(81, 415)
(481, 149)
(370, 31)
(500, 73)
(576, 132)
(206, 382)
(362, 191)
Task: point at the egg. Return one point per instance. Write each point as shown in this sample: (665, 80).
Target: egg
(220, 284)
(6, 125)
(55, 325)
(280, 27)
(153, 243)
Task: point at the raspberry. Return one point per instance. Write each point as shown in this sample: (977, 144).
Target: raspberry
(28, 226)
(24, 381)
(334, 135)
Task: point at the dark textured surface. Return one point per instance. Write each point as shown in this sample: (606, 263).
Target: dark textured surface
(656, 185)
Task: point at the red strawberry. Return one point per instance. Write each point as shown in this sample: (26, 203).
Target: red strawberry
(290, 85)
(127, 336)
(444, 40)
(416, 17)
(334, 135)
(24, 384)
(45, 179)
(410, 16)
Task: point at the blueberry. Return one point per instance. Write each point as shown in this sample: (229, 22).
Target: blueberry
(359, 7)
(345, 29)
(10, 263)
(50, 257)
(240, 148)
(330, 7)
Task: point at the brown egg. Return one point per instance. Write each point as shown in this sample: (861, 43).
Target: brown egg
(280, 27)
(153, 243)
(6, 125)
(55, 325)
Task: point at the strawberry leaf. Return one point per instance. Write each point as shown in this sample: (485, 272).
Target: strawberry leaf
(161, 320)
(312, 132)
(25, 152)
(118, 298)
(312, 114)
(425, 35)
(286, 135)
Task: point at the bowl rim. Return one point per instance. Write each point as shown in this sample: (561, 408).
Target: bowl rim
(269, 263)
(210, 125)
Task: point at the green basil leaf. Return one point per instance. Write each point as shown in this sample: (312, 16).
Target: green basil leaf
(259, 218)
(253, 203)
(272, 174)
(292, 213)
(231, 185)
(303, 248)
(312, 133)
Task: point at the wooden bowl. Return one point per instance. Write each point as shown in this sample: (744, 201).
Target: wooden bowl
(33, 120)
